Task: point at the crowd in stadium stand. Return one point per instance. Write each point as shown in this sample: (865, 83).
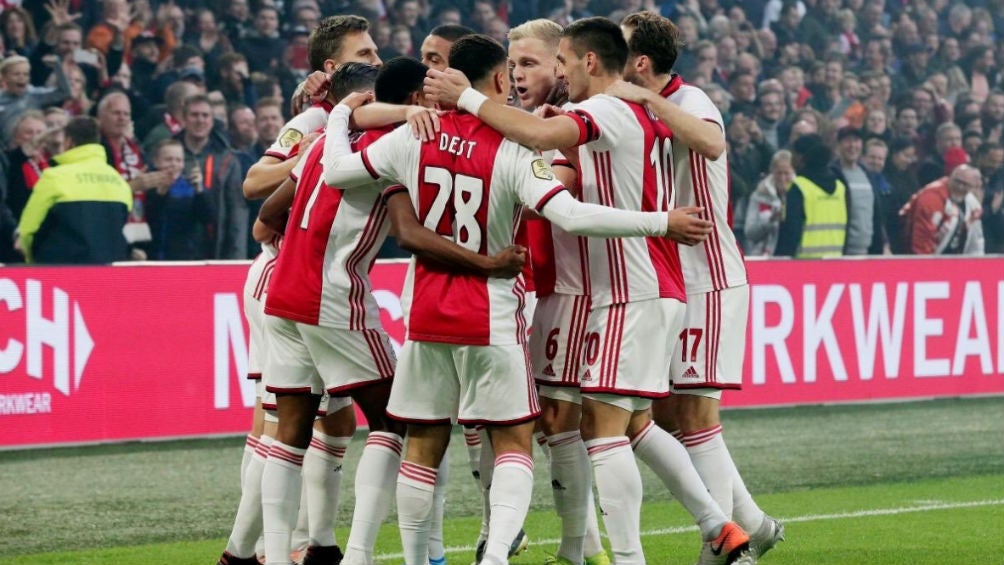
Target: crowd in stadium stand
(900, 105)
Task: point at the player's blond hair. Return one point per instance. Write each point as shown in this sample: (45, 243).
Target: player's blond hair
(542, 29)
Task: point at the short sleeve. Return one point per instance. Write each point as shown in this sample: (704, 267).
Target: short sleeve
(600, 118)
(297, 171)
(286, 144)
(696, 103)
(533, 178)
(389, 156)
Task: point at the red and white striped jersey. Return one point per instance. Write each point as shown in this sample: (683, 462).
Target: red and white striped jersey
(260, 272)
(331, 241)
(470, 185)
(717, 262)
(310, 120)
(624, 162)
(559, 258)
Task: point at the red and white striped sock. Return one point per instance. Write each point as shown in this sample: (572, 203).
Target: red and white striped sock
(248, 522)
(415, 486)
(512, 488)
(322, 477)
(618, 483)
(280, 497)
(671, 462)
(472, 438)
(374, 487)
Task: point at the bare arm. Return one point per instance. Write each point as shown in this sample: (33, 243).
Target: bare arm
(265, 175)
(275, 210)
(704, 137)
(430, 246)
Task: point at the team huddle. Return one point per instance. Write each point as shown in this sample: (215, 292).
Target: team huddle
(544, 193)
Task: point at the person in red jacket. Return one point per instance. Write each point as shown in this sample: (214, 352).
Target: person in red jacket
(944, 217)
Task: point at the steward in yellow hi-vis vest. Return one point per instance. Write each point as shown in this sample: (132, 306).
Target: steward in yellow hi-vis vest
(815, 206)
(825, 220)
(76, 211)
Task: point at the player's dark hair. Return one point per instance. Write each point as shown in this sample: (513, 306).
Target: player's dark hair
(352, 77)
(600, 36)
(82, 130)
(398, 79)
(477, 56)
(326, 40)
(451, 32)
(655, 37)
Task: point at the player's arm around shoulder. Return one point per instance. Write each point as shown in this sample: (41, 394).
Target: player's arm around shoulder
(696, 127)
(428, 245)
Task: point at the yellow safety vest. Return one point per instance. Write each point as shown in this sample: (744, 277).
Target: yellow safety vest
(825, 220)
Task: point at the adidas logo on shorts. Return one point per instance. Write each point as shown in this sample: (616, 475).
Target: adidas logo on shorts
(587, 376)
(691, 373)
(549, 370)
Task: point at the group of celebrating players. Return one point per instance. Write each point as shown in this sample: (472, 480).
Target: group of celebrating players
(543, 192)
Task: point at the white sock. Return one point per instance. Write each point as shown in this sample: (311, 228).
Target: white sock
(670, 461)
(487, 471)
(415, 487)
(619, 485)
(436, 549)
(745, 511)
(322, 477)
(571, 483)
(512, 488)
(300, 538)
(250, 444)
(247, 523)
(711, 459)
(472, 438)
(280, 488)
(374, 488)
(592, 544)
(541, 439)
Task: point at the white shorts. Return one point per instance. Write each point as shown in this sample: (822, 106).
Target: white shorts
(328, 405)
(556, 341)
(626, 352)
(304, 358)
(254, 311)
(439, 383)
(710, 348)
(564, 393)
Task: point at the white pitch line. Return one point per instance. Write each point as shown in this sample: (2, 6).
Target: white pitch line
(787, 520)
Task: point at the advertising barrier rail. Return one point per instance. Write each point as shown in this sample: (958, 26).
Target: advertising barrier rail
(93, 354)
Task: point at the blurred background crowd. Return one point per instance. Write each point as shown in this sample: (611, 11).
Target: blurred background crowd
(901, 100)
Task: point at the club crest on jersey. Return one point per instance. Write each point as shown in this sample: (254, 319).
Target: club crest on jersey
(541, 170)
(290, 138)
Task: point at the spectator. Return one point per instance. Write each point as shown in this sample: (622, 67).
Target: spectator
(914, 70)
(400, 41)
(993, 214)
(145, 53)
(992, 116)
(877, 125)
(749, 155)
(903, 183)
(766, 206)
(946, 137)
(268, 123)
(76, 212)
(944, 217)
(873, 161)
(210, 40)
(19, 95)
(981, 71)
(905, 123)
(990, 159)
(742, 88)
(24, 163)
(180, 208)
(235, 79)
(769, 116)
(815, 216)
(221, 177)
(186, 64)
(18, 30)
(115, 19)
(263, 46)
(168, 119)
(236, 21)
(861, 207)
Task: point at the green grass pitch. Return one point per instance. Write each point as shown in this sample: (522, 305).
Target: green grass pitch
(910, 483)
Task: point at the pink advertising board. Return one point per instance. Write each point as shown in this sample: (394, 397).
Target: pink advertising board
(139, 352)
